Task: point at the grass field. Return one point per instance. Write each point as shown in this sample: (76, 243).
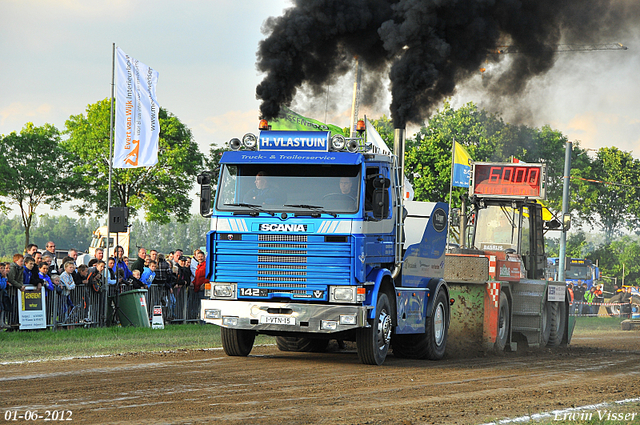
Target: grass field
(39, 345)
(589, 325)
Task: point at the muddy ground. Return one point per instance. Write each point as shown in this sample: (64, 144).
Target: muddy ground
(272, 387)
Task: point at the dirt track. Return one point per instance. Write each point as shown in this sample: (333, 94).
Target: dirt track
(274, 387)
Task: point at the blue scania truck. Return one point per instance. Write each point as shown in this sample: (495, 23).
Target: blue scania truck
(311, 241)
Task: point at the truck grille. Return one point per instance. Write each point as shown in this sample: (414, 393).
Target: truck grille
(283, 238)
(283, 265)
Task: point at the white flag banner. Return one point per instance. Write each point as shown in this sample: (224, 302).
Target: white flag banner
(137, 125)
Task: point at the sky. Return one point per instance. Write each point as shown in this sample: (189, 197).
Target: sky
(57, 59)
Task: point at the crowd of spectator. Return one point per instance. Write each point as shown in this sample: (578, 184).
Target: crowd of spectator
(174, 272)
(585, 300)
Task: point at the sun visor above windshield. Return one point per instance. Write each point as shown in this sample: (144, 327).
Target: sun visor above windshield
(256, 157)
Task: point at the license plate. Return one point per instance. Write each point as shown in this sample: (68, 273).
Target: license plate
(278, 320)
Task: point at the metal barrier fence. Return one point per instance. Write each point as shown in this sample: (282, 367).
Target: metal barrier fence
(602, 309)
(85, 307)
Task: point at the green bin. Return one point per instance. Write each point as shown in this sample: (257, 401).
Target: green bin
(133, 308)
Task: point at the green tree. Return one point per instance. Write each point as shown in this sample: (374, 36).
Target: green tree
(212, 162)
(486, 137)
(34, 171)
(65, 231)
(384, 127)
(621, 255)
(171, 236)
(614, 204)
(11, 236)
(161, 191)
(428, 157)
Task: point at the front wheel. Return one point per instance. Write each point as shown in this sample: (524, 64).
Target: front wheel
(373, 342)
(237, 342)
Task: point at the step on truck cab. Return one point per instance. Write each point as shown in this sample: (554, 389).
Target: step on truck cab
(310, 242)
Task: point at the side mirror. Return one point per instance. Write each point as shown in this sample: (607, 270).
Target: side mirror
(204, 180)
(380, 203)
(566, 221)
(380, 182)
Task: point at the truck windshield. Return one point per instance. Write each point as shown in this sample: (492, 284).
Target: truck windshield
(289, 188)
(578, 272)
(497, 228)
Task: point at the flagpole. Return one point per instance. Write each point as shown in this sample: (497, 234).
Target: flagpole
(453, 162)
(106, 271)
(113, 67)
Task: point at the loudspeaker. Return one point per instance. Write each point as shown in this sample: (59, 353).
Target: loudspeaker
(118, 219)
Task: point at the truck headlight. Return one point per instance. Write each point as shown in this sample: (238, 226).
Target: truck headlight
(230, 321)
(224, 290)
(342, 294)
(212, 313)
(338, 142)
(328, 325)
(250, 141)
(348, 319)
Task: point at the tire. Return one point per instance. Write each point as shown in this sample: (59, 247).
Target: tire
(314, 345)
(373, 342)
(237, 342)
(558, 319)
(438, 327)
(545, 326)
(614, 310)
(431, 344)
(504, 324)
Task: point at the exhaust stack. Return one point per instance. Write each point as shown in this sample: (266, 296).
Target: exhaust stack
(398, 151)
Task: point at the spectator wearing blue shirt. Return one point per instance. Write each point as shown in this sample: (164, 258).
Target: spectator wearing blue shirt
(3, 291)
(111, 274)
(31, 274)
(149, 273)
(43, 273)
(121, 264)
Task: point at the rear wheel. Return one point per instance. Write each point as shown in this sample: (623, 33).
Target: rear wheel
(438, 327)
(558, 318)
(237, 342)
(373, 342)
(545, 326)
(431, 344)
(503, 324)
(287, 343)
(614, 310)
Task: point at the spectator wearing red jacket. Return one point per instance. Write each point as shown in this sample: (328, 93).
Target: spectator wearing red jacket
(200, 276)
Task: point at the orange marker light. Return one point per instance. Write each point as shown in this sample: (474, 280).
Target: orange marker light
(207, 286)
(263, 125)
(360, 125)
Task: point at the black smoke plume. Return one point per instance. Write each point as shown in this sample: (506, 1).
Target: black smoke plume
(426, 46)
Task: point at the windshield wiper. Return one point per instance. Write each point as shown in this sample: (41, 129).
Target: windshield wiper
(312, 207)
(255, 208)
